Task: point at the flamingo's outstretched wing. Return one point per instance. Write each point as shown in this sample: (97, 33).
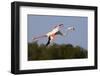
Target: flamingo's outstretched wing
(35, 38)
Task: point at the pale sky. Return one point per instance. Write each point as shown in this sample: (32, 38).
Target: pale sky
(41, 24)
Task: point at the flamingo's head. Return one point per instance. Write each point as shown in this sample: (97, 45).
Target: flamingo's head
(71, 28)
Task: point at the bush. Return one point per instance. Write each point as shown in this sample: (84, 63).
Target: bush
(55, 51)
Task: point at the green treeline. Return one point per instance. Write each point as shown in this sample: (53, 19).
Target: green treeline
(55, 51)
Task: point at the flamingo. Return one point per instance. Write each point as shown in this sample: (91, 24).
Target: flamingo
(52, 34)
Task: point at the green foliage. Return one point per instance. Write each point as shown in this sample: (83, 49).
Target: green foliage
(55, 51)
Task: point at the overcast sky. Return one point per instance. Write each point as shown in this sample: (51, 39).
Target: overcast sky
(40, 25)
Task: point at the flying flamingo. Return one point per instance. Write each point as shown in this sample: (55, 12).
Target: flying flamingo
(56, 31)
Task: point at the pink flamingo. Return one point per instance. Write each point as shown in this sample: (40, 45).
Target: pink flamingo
(56, 31)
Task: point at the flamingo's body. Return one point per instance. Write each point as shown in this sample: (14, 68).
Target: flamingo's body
(51, 35)
(54, 32)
